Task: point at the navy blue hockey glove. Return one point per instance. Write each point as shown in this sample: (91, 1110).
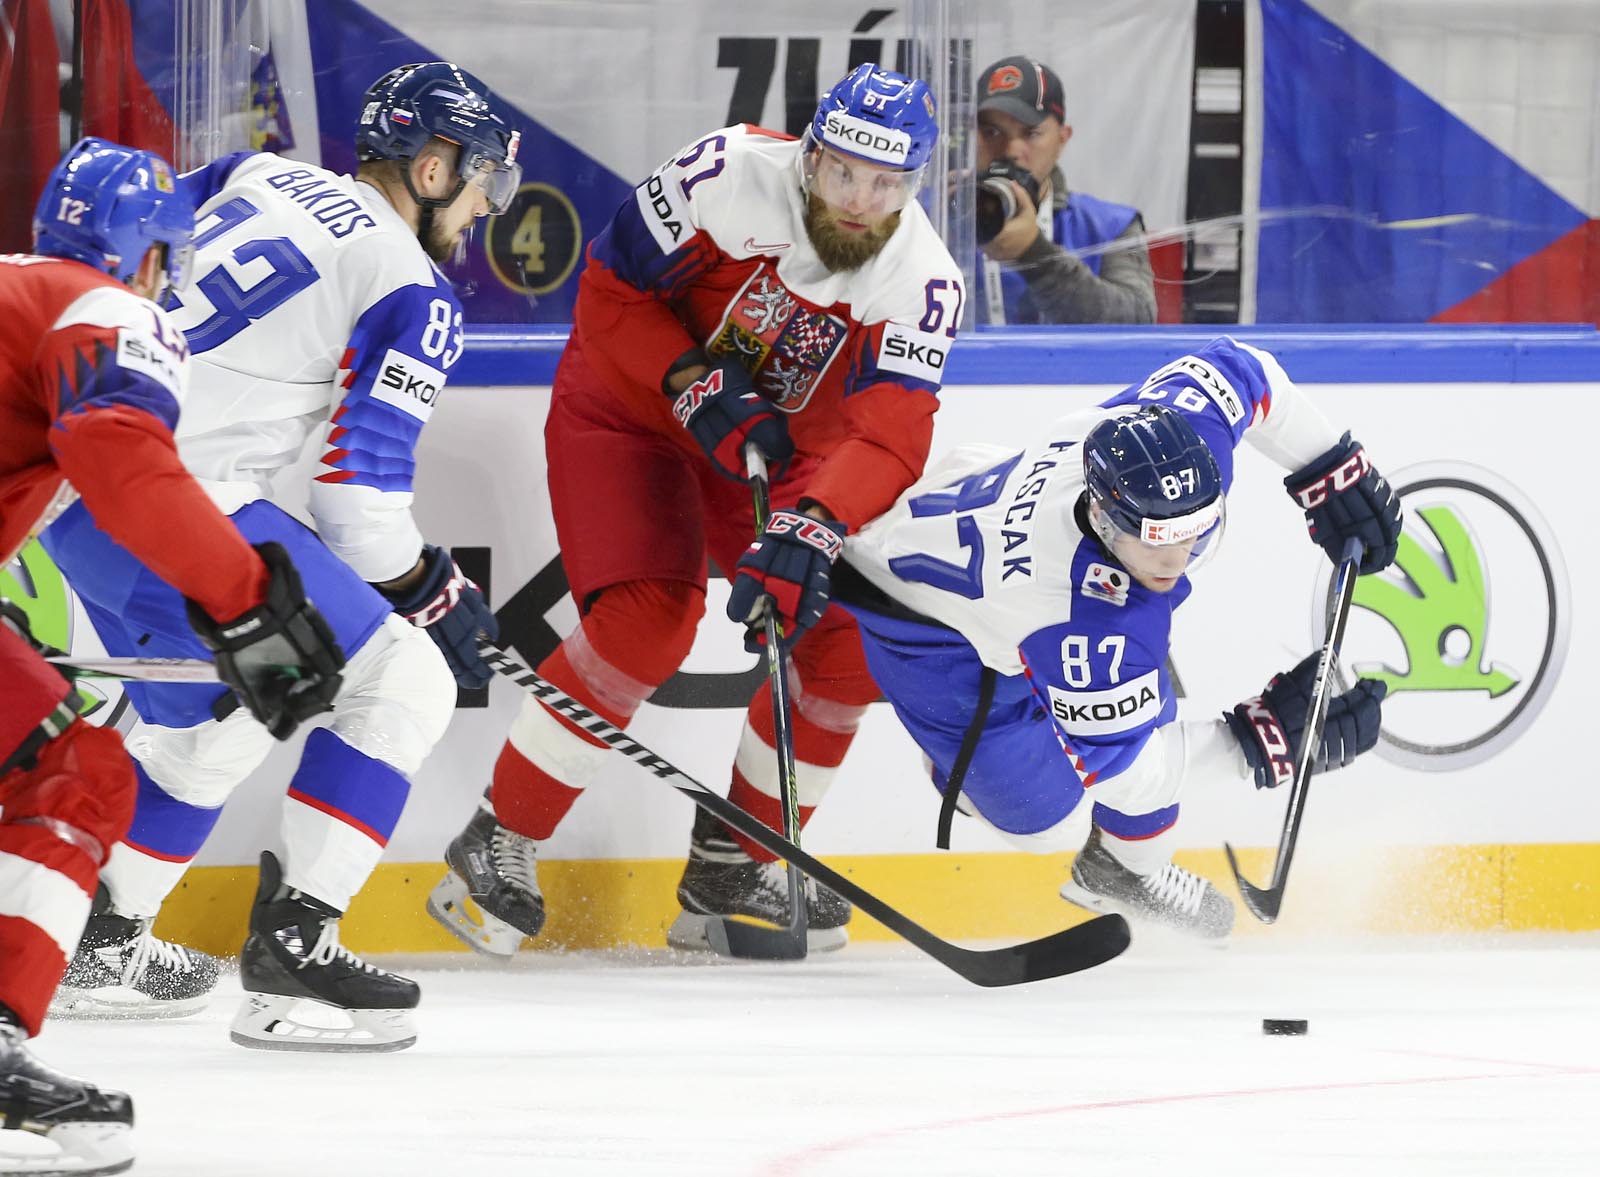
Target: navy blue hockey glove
(452, 609)
(724, 413)
(1343, 496)
(1271, 727)
(281, 658)
(789, 563)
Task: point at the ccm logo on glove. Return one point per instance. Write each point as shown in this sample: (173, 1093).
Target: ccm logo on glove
(724, 414)
(697, 394)
(1342, 478)
(807, 530)
(447, 599)
(1275, 747)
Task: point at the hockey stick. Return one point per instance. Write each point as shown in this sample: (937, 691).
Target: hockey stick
(1070, 951)
(1265, 902)
(170, 670)
(730, 937)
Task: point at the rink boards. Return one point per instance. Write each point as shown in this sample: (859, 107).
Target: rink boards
(1477, 812)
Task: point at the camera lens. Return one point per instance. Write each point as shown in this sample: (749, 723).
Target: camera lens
(996, 204)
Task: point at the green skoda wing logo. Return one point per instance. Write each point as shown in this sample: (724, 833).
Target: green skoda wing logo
(1441, 612)
(1468, 626)
(34, 582)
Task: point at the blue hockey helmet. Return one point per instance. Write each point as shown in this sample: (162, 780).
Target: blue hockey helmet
(410, 106)
(106, 205)
(1152, 480)
(880, 117)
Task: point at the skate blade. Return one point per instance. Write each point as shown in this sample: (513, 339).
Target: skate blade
(268, 1021)
(71, 1150)
(450, 904)
(1099, 904)
(116, 1003)
(688, 934)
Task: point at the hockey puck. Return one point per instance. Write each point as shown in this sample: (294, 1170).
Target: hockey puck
(1284, 1026)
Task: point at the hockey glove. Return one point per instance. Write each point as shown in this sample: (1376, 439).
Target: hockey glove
(452, 609)
(788, 564)
(1271, 727)
(724, 413)
(280, 658)
(1343, 496)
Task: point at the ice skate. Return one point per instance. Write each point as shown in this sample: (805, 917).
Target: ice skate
(1172, 896)
(123, 970)
(306, 991)
(721, 880)
(490, 898)
(51, 1123)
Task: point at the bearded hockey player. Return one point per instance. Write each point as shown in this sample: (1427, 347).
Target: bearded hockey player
(318, 311)
(756, 289)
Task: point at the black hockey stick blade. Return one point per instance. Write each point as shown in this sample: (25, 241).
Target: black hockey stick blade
(1070, 951)
(747, 941)
(1265, 902)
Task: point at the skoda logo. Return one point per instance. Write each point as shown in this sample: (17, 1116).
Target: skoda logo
(1469, 625)
(56, 618)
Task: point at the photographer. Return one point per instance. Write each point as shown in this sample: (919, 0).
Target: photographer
(1031, 228)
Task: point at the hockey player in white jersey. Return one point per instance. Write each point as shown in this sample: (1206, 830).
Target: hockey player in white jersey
(318, 310)
(1016, 607)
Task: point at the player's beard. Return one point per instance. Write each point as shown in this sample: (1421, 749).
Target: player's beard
(442, 245)
(840, 249)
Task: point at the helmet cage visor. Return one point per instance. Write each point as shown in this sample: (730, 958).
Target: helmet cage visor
(497, 177)
(842, 178)
(1168, 547)
(180, 265)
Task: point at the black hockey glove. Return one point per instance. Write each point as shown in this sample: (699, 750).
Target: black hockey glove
(1343, 496)
(452, 609)
(724, 413)
(789, 563)
(280, 658)
(1271, 727)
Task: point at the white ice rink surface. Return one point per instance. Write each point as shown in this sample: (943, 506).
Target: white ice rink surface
(1424, 1057)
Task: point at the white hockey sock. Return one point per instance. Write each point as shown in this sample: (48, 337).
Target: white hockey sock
(1145, 856)
(139, 883)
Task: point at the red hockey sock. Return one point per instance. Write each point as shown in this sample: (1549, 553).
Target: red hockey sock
(606, 666)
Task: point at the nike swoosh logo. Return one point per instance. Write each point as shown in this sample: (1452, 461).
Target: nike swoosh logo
(750, 244)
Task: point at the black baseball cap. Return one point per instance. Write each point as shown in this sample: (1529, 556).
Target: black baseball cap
(1023, 88)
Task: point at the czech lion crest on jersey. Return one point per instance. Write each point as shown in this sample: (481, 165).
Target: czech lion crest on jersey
(785, 344)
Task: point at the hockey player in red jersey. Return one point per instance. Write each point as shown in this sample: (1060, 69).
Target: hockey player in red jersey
(756, 289)
(91, 378)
